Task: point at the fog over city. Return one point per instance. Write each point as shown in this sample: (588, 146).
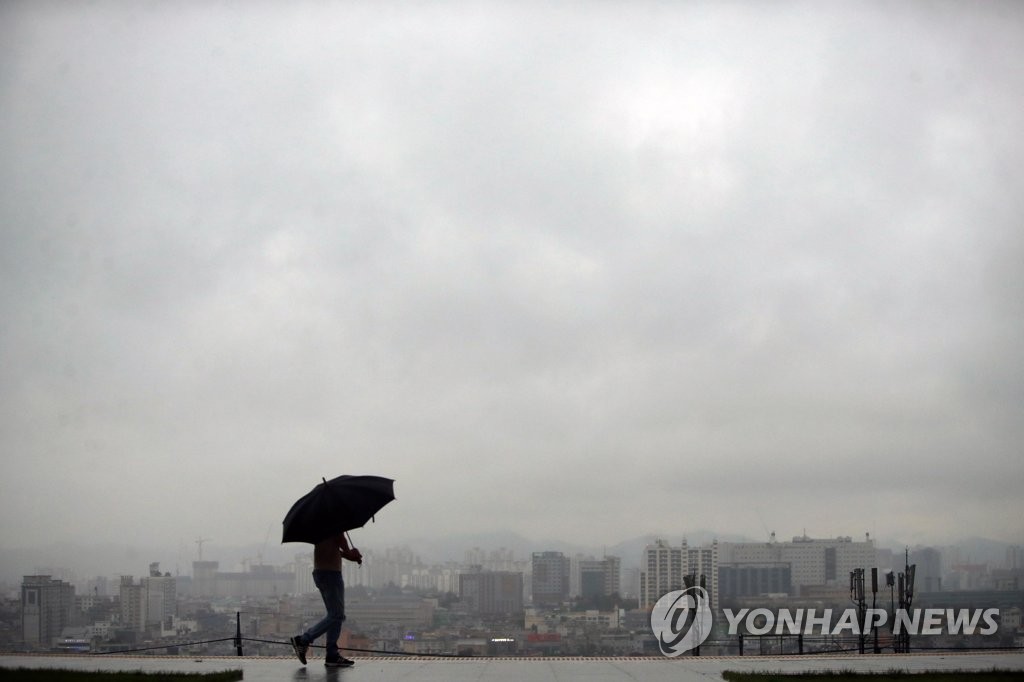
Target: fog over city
(578, 272)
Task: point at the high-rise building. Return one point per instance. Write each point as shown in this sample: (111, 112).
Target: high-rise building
(591, 578)
(661, 571)
(161, 594)
(599, 577)
(928, 574)
(492, 592)
(812, 561)
(133, 604)
(550, 581)
(304, 574)
(46, 607)
(1014, 557)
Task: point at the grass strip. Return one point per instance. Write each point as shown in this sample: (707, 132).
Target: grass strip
(994, 675)
(60, 674)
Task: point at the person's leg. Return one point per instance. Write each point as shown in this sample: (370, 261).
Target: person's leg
(332, 591)
(334, 600)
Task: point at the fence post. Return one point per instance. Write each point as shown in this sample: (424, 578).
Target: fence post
(741, 643)
(238, 633)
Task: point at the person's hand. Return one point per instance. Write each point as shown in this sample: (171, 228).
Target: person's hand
(353, 554)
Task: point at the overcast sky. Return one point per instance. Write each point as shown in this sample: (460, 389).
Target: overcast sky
(576, 270)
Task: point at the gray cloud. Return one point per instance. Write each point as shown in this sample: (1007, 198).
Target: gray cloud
(582, 274)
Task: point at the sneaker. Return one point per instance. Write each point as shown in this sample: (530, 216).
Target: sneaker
(300, 648)
(340, 662)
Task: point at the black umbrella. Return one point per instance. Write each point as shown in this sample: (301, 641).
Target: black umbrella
(335, 506)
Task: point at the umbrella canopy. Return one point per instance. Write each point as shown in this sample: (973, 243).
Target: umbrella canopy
(335, 506)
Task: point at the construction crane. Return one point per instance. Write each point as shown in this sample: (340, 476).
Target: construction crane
(200, 541)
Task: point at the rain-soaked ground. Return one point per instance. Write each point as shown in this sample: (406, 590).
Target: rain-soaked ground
(511, 669)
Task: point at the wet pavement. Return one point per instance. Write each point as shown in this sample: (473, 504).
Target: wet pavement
(376, 669)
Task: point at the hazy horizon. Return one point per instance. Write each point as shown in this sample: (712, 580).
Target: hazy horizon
(112, 559)
(567, 270)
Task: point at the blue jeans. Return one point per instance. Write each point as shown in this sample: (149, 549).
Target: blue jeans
(332, 589)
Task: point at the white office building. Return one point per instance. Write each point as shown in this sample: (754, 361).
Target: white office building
(812, 561)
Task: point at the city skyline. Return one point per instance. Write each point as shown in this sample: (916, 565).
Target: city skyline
(492, 602)
(114, 560)
(565, 272)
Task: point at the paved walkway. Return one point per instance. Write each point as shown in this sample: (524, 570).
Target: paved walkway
(687, 669)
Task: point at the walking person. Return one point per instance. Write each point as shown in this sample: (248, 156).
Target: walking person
(327, 556)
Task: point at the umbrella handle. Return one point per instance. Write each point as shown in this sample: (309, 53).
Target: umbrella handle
(352, 546)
